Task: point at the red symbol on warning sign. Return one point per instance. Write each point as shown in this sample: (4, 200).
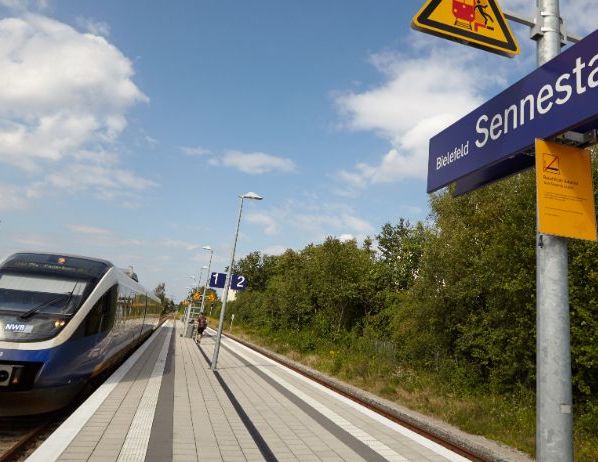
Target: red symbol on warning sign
(468, 12)
(551, 164)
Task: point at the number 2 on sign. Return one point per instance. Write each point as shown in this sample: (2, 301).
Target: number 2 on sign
(241, 282)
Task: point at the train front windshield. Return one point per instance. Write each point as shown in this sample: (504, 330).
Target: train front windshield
(40, 293)
(29, 295)
(34, 308)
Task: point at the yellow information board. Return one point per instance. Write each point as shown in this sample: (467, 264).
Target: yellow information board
(565, 192)
(479, 23)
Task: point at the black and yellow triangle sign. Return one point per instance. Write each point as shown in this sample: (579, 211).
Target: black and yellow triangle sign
(479, 23)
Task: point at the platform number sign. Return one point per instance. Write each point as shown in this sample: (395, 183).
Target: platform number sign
(238, 282)
(217, 280)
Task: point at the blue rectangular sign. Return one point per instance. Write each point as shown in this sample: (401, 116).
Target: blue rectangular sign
(238, 282)
(557, 97)
(217, 280)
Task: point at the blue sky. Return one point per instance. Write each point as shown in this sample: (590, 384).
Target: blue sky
(129, 128)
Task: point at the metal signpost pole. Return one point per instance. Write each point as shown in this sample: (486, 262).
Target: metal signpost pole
(203, 297)
(554, 419)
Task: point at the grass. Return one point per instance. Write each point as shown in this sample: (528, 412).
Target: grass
(446, 395)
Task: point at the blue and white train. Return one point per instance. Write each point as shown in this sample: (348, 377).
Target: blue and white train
(64, 320)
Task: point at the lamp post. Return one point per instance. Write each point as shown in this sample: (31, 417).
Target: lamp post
(249, 195)
(188, 310)
(188, 307)
(203, 297)
(204, 267)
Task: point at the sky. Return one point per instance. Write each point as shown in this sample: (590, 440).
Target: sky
(128, 129)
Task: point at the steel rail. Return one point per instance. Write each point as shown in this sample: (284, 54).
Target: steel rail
(22, 443)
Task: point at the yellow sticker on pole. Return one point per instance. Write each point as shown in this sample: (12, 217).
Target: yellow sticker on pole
(479, 23)
(564, 191)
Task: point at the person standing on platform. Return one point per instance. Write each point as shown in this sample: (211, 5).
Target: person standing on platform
(202, 323)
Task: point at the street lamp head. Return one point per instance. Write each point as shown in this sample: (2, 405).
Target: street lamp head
(252, 195)
(207, 247)
(204, 267)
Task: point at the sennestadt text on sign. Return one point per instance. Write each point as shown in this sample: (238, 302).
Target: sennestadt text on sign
(557, 97)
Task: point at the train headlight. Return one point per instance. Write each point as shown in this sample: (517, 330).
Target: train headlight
(59, 323)
(19, 376)
(5, 373)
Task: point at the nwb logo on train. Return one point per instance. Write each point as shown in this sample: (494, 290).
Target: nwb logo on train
(479, 23)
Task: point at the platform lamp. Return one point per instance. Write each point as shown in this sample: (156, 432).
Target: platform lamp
(249, 195)
(203, 297)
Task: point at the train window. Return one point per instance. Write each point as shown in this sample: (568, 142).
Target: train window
(101, 316)
(109, 309)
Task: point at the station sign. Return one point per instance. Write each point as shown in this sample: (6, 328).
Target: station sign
(565, 192)
(479, 23)
(560, 96)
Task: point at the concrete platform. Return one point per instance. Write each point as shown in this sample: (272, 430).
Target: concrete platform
(166, 404)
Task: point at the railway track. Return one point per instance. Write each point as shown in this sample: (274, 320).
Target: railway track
(16, 435)
(473, 454)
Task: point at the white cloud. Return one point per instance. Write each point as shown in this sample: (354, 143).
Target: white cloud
(63, 102)
(107, 182)
(17, 197)
(59, 90)
(275, 250)
(346, 237)
(35, 242)
(94, 27)
(254, 163)
(90, 230)
(411, 106)
(267, 222)
(11, 198)
(574, 12)
(24, 5)
(177, 244)
(195, 151)
(313, 219)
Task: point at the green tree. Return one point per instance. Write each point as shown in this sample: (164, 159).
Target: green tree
(401, 248)
(160, 292)
(476, 288)
(257, 268)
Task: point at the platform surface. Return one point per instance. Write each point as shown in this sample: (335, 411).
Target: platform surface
(165, 403)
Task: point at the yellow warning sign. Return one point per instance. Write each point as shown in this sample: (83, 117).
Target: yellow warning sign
(479, 23)
(565, 193)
